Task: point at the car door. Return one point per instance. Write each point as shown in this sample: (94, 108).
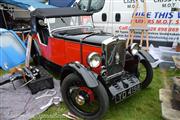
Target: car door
(42, 38)
(56, 49)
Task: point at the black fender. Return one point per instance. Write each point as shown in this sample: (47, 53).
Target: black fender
(131, 63)
(143, 55)
(88, 76)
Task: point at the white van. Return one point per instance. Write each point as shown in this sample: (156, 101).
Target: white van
(115, 17)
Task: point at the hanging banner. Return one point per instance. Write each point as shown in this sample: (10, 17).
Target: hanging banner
(163, 22)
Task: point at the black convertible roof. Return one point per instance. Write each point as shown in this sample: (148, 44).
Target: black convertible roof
(58, 12)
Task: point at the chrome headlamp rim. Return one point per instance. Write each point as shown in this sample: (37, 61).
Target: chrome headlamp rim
(90, 59)
(134, 48)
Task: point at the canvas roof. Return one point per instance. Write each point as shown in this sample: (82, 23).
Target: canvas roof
(58, 12)
(61, 3)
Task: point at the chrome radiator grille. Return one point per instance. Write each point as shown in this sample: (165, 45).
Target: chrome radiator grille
(115, 56)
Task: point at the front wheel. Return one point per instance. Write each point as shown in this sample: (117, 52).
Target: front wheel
(85, 102)
(145, 73)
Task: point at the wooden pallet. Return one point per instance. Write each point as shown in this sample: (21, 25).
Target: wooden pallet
(168, 113)
(176, 60)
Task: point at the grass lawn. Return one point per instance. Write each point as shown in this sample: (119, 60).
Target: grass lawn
(144, 105)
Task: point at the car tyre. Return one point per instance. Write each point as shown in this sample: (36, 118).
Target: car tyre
(99, 92)
(149, 74)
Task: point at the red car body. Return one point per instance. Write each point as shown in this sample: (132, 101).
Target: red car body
(62, 52)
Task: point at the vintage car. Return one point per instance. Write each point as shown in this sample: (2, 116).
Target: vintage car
(96, 67)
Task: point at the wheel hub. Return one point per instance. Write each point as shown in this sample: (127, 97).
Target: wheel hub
(80, 100)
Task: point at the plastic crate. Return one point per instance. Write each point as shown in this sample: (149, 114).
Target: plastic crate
(45, 81)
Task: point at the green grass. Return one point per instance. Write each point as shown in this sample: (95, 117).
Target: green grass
(144, 105)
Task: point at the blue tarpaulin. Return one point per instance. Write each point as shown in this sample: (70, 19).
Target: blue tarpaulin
(26, 4)
(61, 3)
(12, 49)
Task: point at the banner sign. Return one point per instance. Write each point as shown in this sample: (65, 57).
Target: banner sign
(164, 24)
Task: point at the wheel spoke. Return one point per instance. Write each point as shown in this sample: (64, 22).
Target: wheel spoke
(89, 106)
(85, 102)
(142, 72)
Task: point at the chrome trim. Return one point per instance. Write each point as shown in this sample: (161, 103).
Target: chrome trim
(112, 39)
(114, 75)
(133, 47)
(109, 40)
(104, 47)
(105, 44)
(90, 56)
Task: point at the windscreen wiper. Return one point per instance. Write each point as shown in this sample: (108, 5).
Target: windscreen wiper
(63, 20)
(94, 33)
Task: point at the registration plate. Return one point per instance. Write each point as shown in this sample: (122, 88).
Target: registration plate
(126, 93)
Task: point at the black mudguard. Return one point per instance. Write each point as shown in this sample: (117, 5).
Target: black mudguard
(143, 55)
(88, 76)
(132, 62)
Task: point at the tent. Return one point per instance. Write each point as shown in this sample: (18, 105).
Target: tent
(12, 49)
(13, 11)
(27, 4)
(61, 3)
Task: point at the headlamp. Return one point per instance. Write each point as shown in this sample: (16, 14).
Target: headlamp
(94, 60)
(133, 48)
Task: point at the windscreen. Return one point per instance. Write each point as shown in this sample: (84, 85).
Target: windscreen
(65, 23)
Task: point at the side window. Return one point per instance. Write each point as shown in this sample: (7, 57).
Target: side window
(104, 17)
(91, 5)
(97, 5)
(118, 17)
(83, 4)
